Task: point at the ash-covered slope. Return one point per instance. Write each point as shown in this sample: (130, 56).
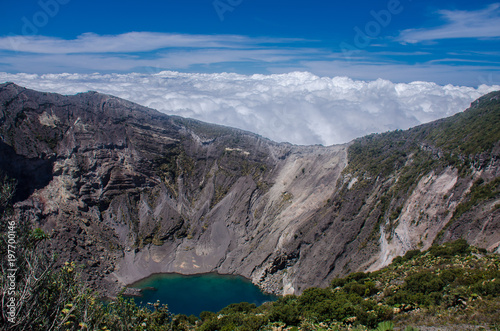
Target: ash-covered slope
(128, 191)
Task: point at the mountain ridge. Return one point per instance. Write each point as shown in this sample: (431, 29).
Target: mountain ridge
(158, 193)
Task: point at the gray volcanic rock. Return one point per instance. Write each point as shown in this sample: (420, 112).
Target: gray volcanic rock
(128, 191)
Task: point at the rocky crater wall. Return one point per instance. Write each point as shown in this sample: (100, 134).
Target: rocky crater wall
(127, 192)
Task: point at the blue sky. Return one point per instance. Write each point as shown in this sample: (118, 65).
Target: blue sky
(447, 42)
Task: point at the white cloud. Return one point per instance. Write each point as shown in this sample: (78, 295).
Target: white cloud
(483, 23)
(141, 51)
(297, 107)
(178, 59)
(135, 51)
(128, 42)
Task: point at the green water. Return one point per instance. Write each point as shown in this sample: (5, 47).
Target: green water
(196, 293)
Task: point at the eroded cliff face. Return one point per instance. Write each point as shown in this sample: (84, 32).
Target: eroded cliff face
(245, 230)
(127, 192)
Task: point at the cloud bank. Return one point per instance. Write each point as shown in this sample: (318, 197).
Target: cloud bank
(297, 107)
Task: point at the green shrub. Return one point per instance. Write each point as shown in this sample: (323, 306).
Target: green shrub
(423, 282)
(411, 254)
(206, 315)
(211, 324)
(488, 287)
(398, 260)
(358, 276)
(364, 290)
(288, 314)
(252, 322)
(242, 307)
(313, 295)
(385, 326)
(448, 276)
(450, 249)
(337, 282)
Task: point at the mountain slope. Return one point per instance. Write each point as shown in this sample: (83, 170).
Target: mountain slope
(129, 191)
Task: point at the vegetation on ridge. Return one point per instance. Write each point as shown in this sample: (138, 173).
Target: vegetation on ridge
(457, 141)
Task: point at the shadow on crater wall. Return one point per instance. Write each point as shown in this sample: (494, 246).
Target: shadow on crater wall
(30, 173)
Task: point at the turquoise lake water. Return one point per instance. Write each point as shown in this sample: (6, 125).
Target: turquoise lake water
(196, 293)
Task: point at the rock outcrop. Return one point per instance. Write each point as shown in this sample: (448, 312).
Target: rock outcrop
(127, 191)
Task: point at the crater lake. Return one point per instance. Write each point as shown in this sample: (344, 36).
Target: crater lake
(192, 294)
